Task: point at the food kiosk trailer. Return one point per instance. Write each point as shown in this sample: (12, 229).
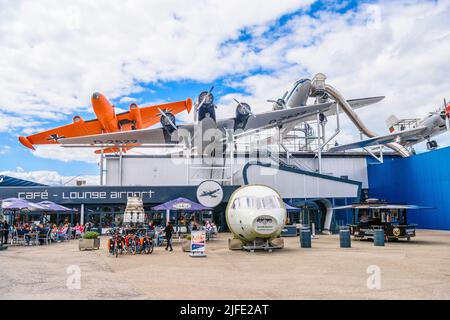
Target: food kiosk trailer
(377, 214)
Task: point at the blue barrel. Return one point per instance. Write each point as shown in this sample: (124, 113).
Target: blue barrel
(344, 238)
(378, 237)
(305, 237)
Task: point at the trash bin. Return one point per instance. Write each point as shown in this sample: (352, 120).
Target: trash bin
(344, 238)
(305, 237)
(378, 237)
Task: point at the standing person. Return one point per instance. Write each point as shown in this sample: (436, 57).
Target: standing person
(5, 231)
(168, 231)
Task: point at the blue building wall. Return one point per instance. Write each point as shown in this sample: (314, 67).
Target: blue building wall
(423, 179)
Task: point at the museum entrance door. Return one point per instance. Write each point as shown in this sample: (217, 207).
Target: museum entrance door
(309, 212)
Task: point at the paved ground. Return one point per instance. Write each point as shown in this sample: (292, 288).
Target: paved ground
(418, 269)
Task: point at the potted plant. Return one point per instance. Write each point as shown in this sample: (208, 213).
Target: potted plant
(186, 244)
(90, 240)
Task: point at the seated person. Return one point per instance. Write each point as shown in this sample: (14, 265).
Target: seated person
(151, 226)
(27, 231)
(61, 233)
(79, 230)
(54, 232)
(42, 232)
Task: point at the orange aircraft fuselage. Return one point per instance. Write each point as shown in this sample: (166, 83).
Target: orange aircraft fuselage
(105, 113)
(107, 121)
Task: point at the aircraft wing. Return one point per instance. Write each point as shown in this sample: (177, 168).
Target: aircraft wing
(160, 136)
(355, 104)
(272, 119)
(154, 136)
(151, 115)
(359, 103)
(410, 135)
(53, 136)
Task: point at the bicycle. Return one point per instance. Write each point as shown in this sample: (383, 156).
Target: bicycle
(115, 243)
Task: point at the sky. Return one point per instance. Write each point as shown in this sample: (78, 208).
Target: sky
(54, 55)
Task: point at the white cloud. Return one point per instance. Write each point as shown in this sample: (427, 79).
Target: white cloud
(50, 177)
(398, 49)
(54, 55)
(127, 100)
(4, 150)
(66, 154)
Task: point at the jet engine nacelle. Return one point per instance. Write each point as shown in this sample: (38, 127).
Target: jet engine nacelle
(256, 212)
(243, 112)
(207, 107)
(299, 94)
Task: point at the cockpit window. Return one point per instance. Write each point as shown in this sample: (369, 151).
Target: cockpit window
(259, 203)
(270, 202)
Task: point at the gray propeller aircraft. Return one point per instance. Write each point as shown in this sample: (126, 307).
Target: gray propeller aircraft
(206, 128)
(408, 132)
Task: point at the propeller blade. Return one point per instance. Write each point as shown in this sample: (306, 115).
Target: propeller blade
(204, 98)
(167, 118)
(447, 122)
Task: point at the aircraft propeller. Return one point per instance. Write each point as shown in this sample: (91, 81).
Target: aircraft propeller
(208, 93)
(246, 108)
(447, 114)
(280, 103)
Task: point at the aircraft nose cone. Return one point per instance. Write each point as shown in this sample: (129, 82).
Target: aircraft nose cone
(96, 95)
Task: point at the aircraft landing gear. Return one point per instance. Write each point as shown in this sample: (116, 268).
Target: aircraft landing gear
(431, 145)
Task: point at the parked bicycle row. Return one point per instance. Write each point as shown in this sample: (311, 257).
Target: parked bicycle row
(132, 242)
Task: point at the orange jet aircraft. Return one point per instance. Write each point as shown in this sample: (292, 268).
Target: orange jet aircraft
(108, 121)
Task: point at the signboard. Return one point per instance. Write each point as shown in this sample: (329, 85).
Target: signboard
(182, 205)
(209, 193)
(264, 224)
(198, 243)
(102, 194)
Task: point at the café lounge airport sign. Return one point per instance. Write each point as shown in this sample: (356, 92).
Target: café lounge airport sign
(108, 194)
(96, 194)
(84, 195)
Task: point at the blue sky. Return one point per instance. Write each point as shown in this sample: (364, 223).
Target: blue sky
(253, 58)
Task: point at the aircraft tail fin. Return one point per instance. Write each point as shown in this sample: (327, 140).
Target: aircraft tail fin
(390, 122)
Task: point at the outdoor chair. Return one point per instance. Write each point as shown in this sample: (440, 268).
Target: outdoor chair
(17, 239)
(45, 236)
(68, 234)
(33, 239)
